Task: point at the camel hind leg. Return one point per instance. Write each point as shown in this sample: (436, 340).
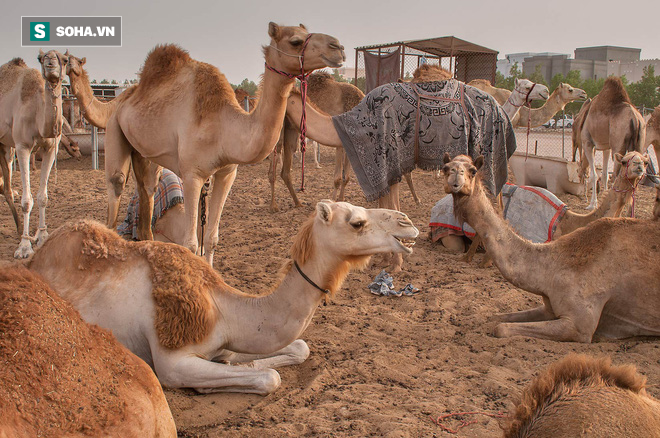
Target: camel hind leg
(288, 148)
(223, 180)
(293, 354)
(146, 180)
(48, 154)
(339, 158)
(411, 186)
(117, 165)
(345, 174)
(5, 183)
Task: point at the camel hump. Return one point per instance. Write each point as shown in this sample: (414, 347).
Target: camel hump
(430, 73)
(613, 94)
(569, 376)
(163, 62)
(319, 78)
(18, 62)
(475, 82)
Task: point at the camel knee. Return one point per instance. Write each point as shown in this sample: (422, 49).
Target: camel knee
(42, 199)
(300, 350)
(117, 181)
(270, 381)
(27, 202)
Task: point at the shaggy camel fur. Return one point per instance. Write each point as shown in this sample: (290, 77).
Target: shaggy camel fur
(31, 117)
(330, 97)
(584, 396)
(64, 377)
(184, 116)
(610, 122)
(174, 310)
(321, 128)
(595, 281)
(561, 96)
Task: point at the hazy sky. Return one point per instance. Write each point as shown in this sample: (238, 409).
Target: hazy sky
(229, 34)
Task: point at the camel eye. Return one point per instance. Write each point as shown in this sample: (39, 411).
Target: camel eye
(296, 42)
(357, 225)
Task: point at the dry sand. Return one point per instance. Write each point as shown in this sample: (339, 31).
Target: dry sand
(378, 366)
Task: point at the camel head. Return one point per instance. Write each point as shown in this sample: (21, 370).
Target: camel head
(530, 90)
(53, 64)
(461, 174)
(568, 93)
(286, 47)
(347, 232)
(633, 164)
(653, 129)
(75, 65)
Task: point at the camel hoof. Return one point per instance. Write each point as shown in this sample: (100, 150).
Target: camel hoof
(318, 166)
(591, 207)
(274, 209)
(24, 250)
(501, 331)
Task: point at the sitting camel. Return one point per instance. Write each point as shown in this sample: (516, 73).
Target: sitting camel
(206, 132)
(64, 377)
(420, 127)
(31, 117)
(611, 123)
(562, 95)
(595, 281)
(583, 396)
(656, 204)
(174, 310)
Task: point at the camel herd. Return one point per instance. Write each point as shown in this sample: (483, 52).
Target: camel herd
(141, 314)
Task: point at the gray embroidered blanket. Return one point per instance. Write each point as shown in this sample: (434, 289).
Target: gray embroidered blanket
(379, 134)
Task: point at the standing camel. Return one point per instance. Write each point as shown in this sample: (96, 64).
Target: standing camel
(612, 124)
(183, 115)
(31, 117)
(173, 310)
(413, 130)
(333, 98)
(562, 95)
(598, 281)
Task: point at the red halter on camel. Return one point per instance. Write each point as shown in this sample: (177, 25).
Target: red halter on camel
(302, 77)
(526, 103)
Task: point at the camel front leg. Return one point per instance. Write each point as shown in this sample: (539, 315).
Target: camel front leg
(272, 172)
(469, 255)
(25, 247)
(316, 150)
(563, 329)
(222, 182)
(589, 155)
(289, 146)
(204, 376)
(47, 159)
(345, 174)
(146, 180)
(5, 182)
(541, 313)
(411, 186)
(339, 158)
(604, 175)
(117, 165)
(192, 186)
(293, 354)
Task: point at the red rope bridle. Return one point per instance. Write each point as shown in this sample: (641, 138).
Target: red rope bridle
(302, 77)
(529, 113)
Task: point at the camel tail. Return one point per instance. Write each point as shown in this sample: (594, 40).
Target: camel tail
(563, 380)
(9, 194)
(577, 128)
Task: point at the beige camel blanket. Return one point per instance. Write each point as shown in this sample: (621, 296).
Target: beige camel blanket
(400, 126)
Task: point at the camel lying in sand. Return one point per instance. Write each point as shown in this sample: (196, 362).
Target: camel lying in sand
(599, 280)
(63, 377)
(583, 396)
(173, 310)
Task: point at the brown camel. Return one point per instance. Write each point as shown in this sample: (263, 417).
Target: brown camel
(174, 311)
(64, 377)
(611, 124)
(30, 117)
(597, 281)
(332, 98)
(184, 116)
(561, 96)
(321, 128)
(656, 204)
(584, 396)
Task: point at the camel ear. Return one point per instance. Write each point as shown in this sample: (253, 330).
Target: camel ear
(479, 162)
(645, 158)
(65, 58)
(41, 55)
(447, 158)
(83, 61)
(274, 30)
(324, 211)
(66, 53)
(618, 157)
(302, 26)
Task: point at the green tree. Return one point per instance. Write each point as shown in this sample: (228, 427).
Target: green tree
(499, 79)
(93, 81)
(645, 92)
(113, 81)
(537, 76)
(573, 78)
(593, 86)
(249, 86)
(105, 81)
(361, 83)
(337, 77)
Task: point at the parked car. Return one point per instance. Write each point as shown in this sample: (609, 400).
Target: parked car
(549, 124)
(566, 122)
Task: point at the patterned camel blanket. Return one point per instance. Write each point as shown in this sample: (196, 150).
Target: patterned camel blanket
(533, 213)
(400, 126)
(168, 194)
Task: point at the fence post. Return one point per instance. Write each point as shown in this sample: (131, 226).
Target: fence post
(95, 148)
(563, 128)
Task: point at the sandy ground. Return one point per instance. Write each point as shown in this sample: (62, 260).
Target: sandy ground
(378, 366)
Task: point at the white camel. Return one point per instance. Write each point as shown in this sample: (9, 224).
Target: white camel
(171, 308)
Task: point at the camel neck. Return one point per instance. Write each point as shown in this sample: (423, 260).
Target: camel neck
(541, 115)
(95, 112)
(51, 110)
(513, 104)
(510, 252)
(260, 324)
